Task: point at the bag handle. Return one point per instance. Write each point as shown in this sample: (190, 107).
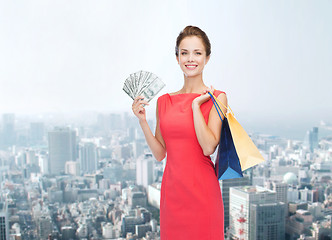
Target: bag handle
(228, 108)
(216, 105)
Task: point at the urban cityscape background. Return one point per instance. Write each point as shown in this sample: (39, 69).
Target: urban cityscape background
(73, 161)
(96, 179)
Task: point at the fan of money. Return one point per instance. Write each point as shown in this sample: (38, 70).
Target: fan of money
(143, 83)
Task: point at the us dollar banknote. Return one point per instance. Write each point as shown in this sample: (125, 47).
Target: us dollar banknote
(143, 83)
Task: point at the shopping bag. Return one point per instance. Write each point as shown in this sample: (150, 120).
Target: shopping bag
(246, 150)
(227, 162)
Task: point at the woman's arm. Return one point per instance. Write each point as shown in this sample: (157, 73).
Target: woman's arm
(208, 135)
(156, 143)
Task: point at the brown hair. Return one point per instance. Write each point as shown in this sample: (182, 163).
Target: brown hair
(193, 31)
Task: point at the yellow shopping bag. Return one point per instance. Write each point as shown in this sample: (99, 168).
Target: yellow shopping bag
(246, 150)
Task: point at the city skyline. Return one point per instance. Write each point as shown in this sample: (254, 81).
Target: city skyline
(99, 180)
(278, 129)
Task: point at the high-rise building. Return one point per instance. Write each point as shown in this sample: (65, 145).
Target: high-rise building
(154, 195)
(68, 232)
(314, 137)
(144, 170)
(31, 157)
(44, 226)
(311, 139)
(88, 157)
(256, 214)
(72, 168)
(299, 223)
(138, 147)
(267, 221)
(108, 230)
(280, 188)
(62, 148)
(225, 185)
(43, 164)
(4, 221)
(8, 135)
(137, 199)
(131, 133)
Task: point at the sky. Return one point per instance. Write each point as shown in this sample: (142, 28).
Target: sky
(272, 58)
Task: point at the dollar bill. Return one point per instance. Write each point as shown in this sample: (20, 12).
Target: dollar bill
(153, 89)
(143, 83)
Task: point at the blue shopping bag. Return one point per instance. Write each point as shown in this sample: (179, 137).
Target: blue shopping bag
(227, 164)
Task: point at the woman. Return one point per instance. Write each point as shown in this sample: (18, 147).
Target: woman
(188, 130)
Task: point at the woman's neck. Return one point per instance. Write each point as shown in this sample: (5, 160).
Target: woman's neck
(193, 85)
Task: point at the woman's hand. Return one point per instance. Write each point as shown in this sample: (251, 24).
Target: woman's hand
(138, 108)
(202, 98)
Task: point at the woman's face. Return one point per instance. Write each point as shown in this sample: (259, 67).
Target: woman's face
(192, 56)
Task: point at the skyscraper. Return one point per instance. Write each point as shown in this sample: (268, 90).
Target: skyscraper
(280, 188)
(8, 130)
(88, 157)
(31, 157)
(225, 185)
(72, 168)
(267, 221)
(62, 148)
(256, 214)
(44, 164)
(311, 139)
(4, 224)
(144, 170)
(44, 226)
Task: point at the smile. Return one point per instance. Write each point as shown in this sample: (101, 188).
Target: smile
(191, 66)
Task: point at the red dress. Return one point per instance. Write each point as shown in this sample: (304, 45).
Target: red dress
(191, 205)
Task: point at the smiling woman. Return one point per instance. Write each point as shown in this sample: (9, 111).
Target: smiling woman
(192, 51)
(192, 58)
(188, 132)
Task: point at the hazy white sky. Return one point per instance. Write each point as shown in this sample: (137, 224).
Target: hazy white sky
(273, 58)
